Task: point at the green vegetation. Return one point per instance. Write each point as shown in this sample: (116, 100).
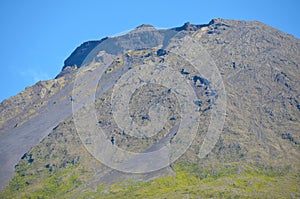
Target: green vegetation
(189, 182)
(55, 185)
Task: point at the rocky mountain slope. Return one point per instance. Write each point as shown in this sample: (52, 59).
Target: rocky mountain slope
(258, 150)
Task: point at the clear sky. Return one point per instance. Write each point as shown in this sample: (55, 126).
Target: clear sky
(37, 36)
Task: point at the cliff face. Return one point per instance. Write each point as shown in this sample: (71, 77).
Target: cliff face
(259, 68)
(80, 53)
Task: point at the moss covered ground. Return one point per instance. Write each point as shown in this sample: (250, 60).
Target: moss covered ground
(189, 182)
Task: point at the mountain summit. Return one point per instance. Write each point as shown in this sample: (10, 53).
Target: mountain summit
(244, 85)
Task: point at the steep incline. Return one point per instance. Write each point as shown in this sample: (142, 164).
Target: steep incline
(259, 66)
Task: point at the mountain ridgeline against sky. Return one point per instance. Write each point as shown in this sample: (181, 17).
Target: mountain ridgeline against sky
(257, 154)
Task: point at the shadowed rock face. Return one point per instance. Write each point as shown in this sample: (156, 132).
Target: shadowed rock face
(259, 66)
(78, 56)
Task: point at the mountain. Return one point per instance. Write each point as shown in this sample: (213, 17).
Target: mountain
(226, 95)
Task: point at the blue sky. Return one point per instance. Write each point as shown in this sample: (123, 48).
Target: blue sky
(37, 36)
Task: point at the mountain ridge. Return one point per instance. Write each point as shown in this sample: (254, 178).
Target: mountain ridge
(259, 66)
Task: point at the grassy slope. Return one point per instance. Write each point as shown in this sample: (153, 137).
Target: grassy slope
(189, 182)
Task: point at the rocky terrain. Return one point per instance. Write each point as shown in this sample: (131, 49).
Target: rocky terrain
(256, 155)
